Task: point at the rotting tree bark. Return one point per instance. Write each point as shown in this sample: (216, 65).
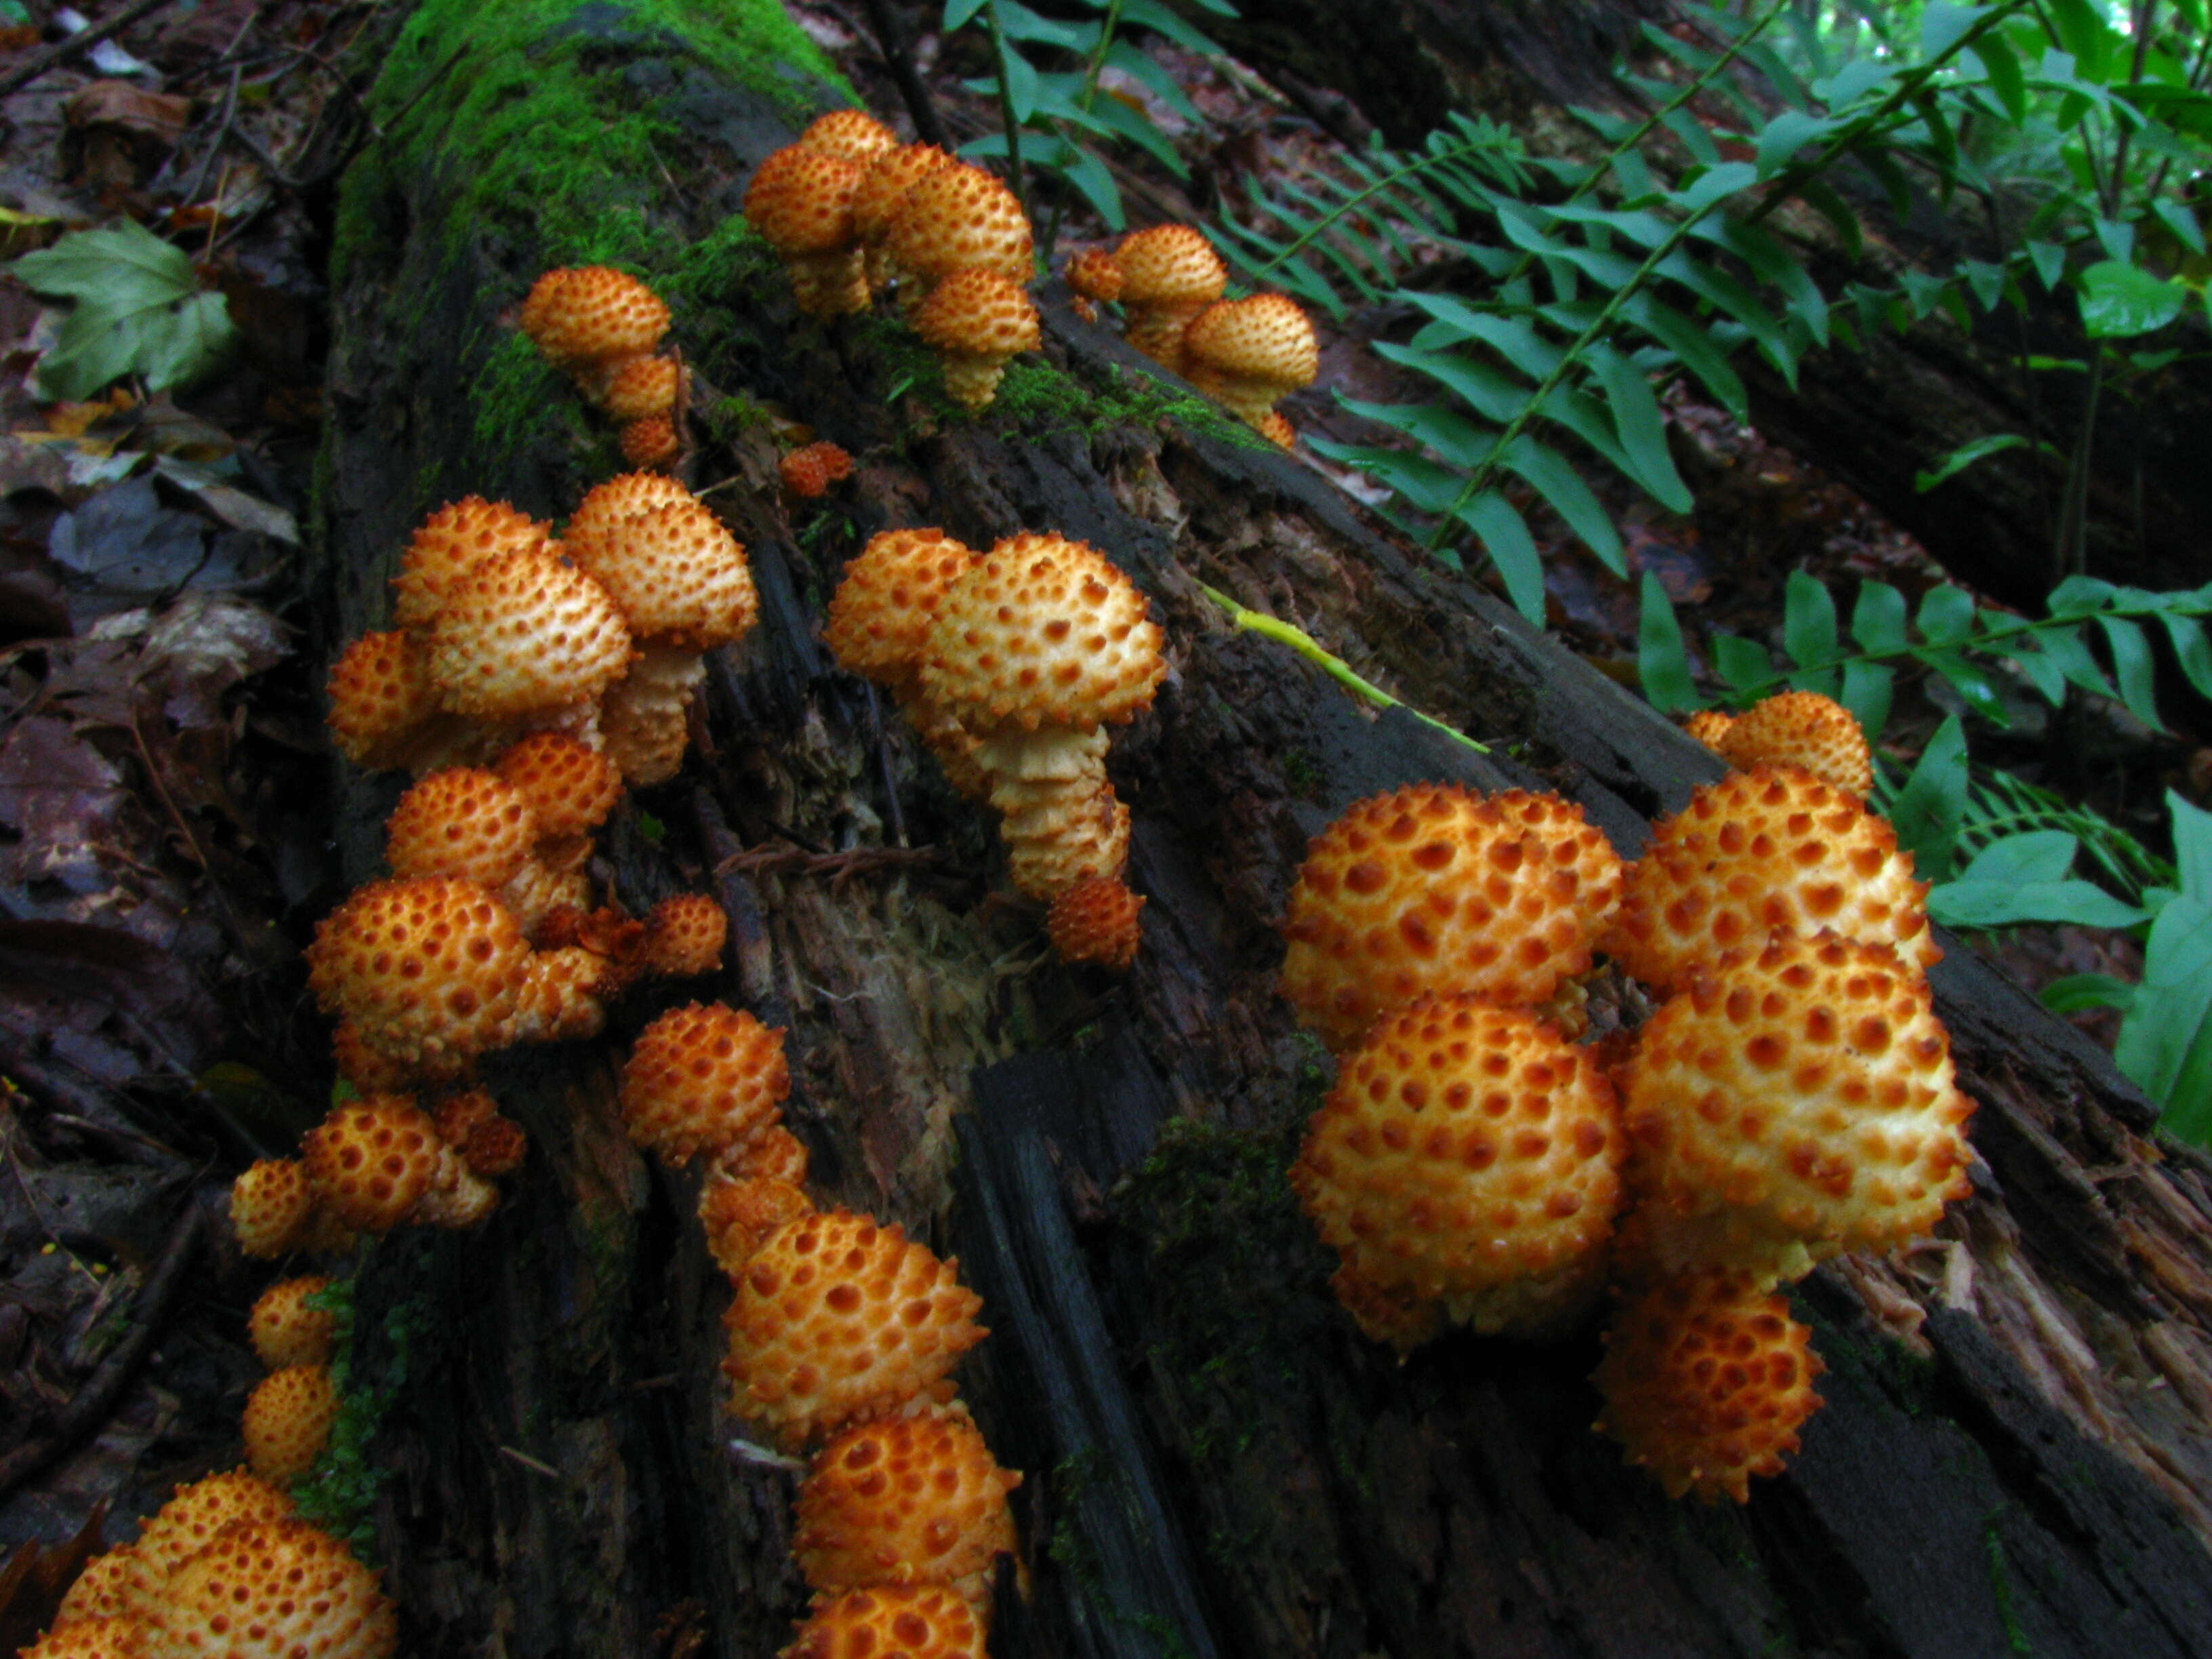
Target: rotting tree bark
(1872, 417)
(1217, 1463)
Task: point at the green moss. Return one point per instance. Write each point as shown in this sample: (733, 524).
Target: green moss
(339, 1493)
(2001, 1587)
(1039, 399)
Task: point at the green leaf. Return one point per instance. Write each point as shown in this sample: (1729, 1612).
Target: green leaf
(1947, 615)
(2132, 667)
(1932, 806)
(1866, 692)
(1693, 344)
(1506, 540)
(1661, 661)
(958, 12)
(2118, 300)
(2077, 993)
(2192, 846)
(1940, 27)
(2027, 877)
(2163, 1045)
(1554, 477)
(1742, 663)
(1642, 430)
(2049, 259)
(1809, 621)
(2180, 223)
(139, 309)
(1963, 457)
(1785, 135)
(1878, 617)
(2001, 64)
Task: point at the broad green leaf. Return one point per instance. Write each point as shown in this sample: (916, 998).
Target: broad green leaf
(1506, 540)
(2042, 669)
(1714, 185)
(1512, 339)
(2065, 647)
(139, 309)
(1457, 440)
(1662, 662)
(2180, 223)
(1018, 23)
(2186, 635)
(1094, 181)
(1693, 342)
(1866, 692)
(1878, 617)
(2049, 259)
(2121, 299)
(1809, 621)
(2162, 1041)
(2001, 64)
(1642, 430)
(1941, 26)
(2192, 846)
(1971, 902)
(1963, 457)
(1947, 615)
(1744, 663)
(1551, 475)
(1488, 389)
(2077, 993)
(958, 12)
(1150, 15)
(2132, 668)
(1830, 203)
(1986, 280)
(1430, 486)
(1932, 805)
(1781, 139)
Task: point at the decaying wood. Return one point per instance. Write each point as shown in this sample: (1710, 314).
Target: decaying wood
(2013, 1457)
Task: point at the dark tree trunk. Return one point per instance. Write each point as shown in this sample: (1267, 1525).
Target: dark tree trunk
(1217, 1463)
(1873, 417)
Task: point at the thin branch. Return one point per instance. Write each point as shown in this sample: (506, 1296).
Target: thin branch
(41, 62)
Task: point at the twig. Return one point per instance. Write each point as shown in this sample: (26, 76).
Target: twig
(41, 62)
(215, 149)
(839, 867)
(1259, 622)
(892, 43)
(533, 1463)
(91, 1403)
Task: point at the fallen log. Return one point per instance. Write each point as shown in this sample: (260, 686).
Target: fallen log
(2013, 1457)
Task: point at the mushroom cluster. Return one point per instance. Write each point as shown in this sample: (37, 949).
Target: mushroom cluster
(1792, 1097)
(1245, 354)
(225, 1566)
(602, 326)
(853, 212)
(843, 1333)
(1012, 665)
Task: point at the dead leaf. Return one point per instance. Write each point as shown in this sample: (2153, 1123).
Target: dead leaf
(157, 117)
(66, 803)
(36, 1577)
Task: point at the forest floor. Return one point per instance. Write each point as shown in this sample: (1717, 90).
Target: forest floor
(164, 848)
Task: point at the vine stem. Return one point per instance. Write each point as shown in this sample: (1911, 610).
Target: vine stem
(1273, 628)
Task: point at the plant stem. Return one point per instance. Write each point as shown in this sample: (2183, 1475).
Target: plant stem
(1006, 108)
(1259, 622)
(1082, 102)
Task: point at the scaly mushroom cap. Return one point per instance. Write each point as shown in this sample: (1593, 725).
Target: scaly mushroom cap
(523, 634)
(1793, 1103)
(381, 698)
(1802, 729)
(955, 217)
(907, 1500)
(641, 387)
(1043, 632)
(889, 178)
(976, 320)
(837, 1319)
(801, 200)
(1708, 726)
(270, 1203)
(1431, 888)
(451, 542)
(739, 1212)
(1095, 920)
(685, 936)
(620, 498)
(489, 1143)
(115, 1635)
(594, 315)
(1168, 265)
(676, 575)
(108, 1588)
(886, 1622)
(879, 616)
(773, 1154)
(285, 1331)
(372, 1160)
(704, 1077)
(196, 1513)
(652, 441)
(288, 1422)
(1095, 274)
(1758, 851)
(1247, 353)
(808, 470)
(1469, 1155)
(851, 135)
(1706, 1382)
(464, 822)
(430, 971)
(570, 787)
(273, 1589)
